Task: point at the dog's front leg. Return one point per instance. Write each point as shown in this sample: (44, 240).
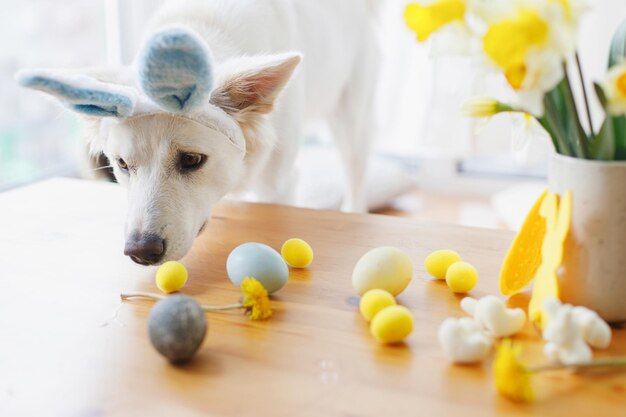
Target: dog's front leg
(277, 179)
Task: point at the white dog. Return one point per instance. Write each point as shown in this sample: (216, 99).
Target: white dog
(201, 113)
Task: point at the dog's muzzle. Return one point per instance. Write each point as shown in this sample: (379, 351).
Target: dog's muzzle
(145, 249)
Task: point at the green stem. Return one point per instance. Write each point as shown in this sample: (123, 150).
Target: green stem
(153, 296)
(582, 84)
(543, 120)
(596, 363)
(572, 111)
(550, 121)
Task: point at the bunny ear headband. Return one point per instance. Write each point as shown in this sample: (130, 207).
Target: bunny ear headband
(175, 75)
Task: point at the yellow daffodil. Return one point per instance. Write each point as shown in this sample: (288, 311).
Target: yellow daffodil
(424, 20)
(256, 299)
(512, 377)
(508, 42)
(528, 41)
(615, 89)
(484, 107)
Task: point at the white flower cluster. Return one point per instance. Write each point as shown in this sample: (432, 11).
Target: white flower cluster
(469, 339)
(571, 332)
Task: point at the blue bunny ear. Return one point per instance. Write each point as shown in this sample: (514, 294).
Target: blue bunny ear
(81, 93)
(175, 69)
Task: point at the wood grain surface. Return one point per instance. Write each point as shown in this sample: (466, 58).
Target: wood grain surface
(70, 347)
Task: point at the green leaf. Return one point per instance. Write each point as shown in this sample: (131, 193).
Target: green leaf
(603, 145)
(562, 115)
(617, 51)
(619, 134)
(601, 96)
(551, 121)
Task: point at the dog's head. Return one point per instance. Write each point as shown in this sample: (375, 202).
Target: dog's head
(178, 130)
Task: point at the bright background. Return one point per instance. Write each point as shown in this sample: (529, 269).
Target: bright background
(431, 154)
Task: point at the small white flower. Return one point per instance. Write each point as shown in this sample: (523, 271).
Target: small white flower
(491, 313)
(464, 340)
(564, 339)
(595, 331)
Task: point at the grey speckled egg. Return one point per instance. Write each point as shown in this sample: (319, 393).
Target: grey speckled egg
(177, 327)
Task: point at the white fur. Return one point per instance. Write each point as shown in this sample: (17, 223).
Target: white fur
(251, 41)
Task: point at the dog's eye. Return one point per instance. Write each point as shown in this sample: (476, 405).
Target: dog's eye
(191, 161)
(122, 164)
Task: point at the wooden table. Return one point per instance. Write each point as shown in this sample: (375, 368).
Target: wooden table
(69, 347)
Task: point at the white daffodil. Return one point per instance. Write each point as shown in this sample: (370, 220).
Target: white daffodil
(447, 24)
(524, 129)
(528, 43)
(455, 38)
(615, 89)
(427, 17)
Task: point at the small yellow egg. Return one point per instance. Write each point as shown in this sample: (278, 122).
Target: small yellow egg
(392, 324)
(461, 277)
(438, 262)
(171, 276)
(297, 253)
(373, 301)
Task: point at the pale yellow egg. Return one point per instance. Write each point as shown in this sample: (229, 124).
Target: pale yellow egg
(386, 267)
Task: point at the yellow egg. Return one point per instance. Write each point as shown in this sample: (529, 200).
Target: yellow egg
(373, 301)
(392, 324)
(171, 276)
(386, 267)
(297, 253)
(461, 277)
(438, 262)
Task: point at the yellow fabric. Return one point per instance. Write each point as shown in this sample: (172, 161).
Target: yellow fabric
(558, 218)
(524, 256)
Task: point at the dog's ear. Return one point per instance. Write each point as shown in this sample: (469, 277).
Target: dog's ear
(81, 93)
(175, 69)
(251, 85)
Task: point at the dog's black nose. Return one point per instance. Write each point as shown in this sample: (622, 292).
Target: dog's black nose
(145, 249)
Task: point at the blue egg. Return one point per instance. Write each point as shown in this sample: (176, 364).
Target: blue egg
(259, 261)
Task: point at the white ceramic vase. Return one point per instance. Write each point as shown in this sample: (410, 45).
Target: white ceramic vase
(593, 273)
